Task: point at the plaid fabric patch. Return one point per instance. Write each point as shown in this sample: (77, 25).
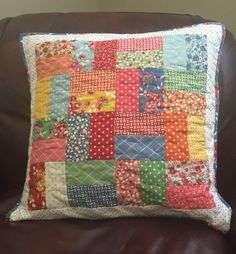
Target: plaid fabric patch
(139, 148)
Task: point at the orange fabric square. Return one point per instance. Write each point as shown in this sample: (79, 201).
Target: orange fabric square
(139, 123)
(98, 80)
(176, 139)
(53, 65)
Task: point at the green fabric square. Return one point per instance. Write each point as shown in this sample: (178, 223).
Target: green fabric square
(175, 55)
(153, 182)
(97, 172)
(187, 81)
(51, 127)
(139, 59)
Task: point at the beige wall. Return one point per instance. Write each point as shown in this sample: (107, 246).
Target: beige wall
(220, 10)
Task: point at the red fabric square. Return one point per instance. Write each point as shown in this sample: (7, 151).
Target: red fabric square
(101, 136)
(176, 137)
(189, 197)
(37, 196)
(105, 55)
(139, 123)
(48, 150)
(128, 182)
(151, 43)
(127, 90)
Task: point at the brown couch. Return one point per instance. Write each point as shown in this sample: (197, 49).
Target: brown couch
(136, 235)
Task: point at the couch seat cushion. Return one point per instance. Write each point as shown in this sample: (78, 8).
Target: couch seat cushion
(129, 235)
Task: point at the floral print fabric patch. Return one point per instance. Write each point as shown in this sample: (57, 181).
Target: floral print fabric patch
(124, 124)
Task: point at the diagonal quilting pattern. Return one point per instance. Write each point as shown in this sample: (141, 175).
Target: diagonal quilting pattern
(90, 172)
(48, 150)
(53, 65)
(139, 148)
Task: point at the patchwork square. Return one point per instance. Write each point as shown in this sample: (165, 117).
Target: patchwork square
(98, 80)
(50, 127)
(82, 56)
(127, 90)
(89, 173)
(140, 124)
(37, 196)
(176, 137)
(59, 95)
(53, 65)
(92, 196)
(151, 97)
(151, 43)
(128, 182)
(189, 197)
(196, 137)
(42, 97)
(139, 59)
(53, 48)
(174, 52)
(153, 183)
(105, 55)
(48, 150)
(55, 185)
(184, 103)
(188, 185)
(124, 125)
(77, 143)
(101, 137)
(89, 102)
(185, 81)
(139, 148)
(191, 173)
(196, 49)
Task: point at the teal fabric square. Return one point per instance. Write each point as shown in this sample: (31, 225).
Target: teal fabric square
(59, 95)
(196, 52)
(174, 52)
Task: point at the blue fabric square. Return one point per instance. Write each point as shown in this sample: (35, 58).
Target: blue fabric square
(196, 52)
(151, 98)
(139, 148)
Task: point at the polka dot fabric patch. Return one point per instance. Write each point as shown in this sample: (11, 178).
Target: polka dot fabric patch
(123, 125)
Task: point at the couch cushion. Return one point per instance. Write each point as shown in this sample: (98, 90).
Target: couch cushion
(136, 235)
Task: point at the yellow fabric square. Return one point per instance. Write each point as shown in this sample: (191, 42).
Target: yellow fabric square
(196, 137)
(41, 102)
(89, 102)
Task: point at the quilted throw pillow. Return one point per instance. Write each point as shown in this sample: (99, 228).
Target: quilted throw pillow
(123, 125)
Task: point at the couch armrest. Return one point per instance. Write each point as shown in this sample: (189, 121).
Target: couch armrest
(232, 232)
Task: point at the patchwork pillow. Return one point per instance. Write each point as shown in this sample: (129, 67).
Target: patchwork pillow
(124, 125)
